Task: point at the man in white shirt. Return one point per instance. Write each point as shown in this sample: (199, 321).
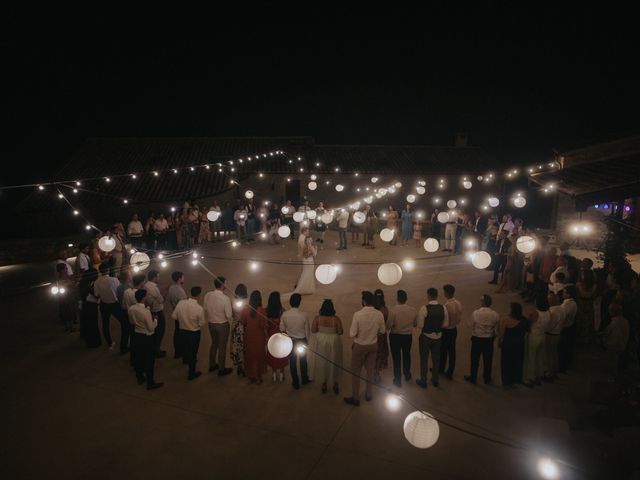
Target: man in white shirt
(176, 293)
(366, 325)
(190, 317)
(83, 262)
(144, 327)
(450, 332)
(135, 231)
(432, 318)
(485, 324)
(155, 300)
(343, 224)
(295, 323)
(160, 227)
(568, 336)
(400, 323)
(552, 337)
(105, 288)
(218, 312)
(506, 225)
(128, 301)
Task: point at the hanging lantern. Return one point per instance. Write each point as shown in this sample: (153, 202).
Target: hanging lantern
(106, 244)
(443, 217)
(386, 234)
(311, 214)
(392, 189)
(248, 194)
(140, 260)
(312, 185)
(374, 179)
(421, 190)
(519, 202)
(389, 273)
(467, 184)
(327, 218)
(285, 210)
(279, 345)
(481, 260)
(421, 429)
(314, 177)
(284, 231)
(339, 188)
(494, 202)
(526, 244)
(326, 274)
(298, 216)
(411, 198)
(398, 184)
(213, 215)
(359, 217)
(382, 192)
(431, 245)
(368, 199)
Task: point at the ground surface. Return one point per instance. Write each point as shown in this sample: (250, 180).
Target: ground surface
(78, 413)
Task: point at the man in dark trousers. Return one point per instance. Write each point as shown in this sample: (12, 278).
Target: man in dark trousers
(432, 317)
(190, 316)
(144, 327)
(485, 323)
(500, 255)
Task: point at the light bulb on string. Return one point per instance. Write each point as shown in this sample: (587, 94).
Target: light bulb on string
(548, 469)
(393, 402)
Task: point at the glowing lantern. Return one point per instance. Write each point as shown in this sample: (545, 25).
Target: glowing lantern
(359, 217)
(548, 469)
(284, 231)
(314, 177)
(526, 244)
(431, 245)
(279, 345)
(311, 214)
(106, 244)
(481, 260)
(411, 198)
(248, 194)
(140, 260)
(285, 209)
(389, 273)
(386, 234)
(368, 199)
(339, 188)
(326, 274)
(452, 204)
(298, 216)
(519, 202)
(374, 179)
(327, 218)
(312, 185)
(494, 202)
(443, 217)
(421, 190)
(421, 429)
(467, 184)
(213, 215)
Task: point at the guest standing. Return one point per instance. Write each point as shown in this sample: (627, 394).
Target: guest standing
(392, 224)
(343, 223)
(105, 289)
(485, 324)
(254, 320)
(552, 337)
(155, 300)
(400, 323)
(89, 309)
(295, 323)
(432, 318)
(144, 328)
(274, 312)
(328, 327)
(190, 317)
(382, 355)
(513, 331)
(177, 293)
(237, 329)
(450, 332)
(217, 310)
(535, 358)
(407, 222)
(568, 337)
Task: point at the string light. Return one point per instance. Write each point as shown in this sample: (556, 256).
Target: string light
(392, 402)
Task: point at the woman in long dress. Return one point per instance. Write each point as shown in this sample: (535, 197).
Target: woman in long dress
(274, 312)
(237, 329)
(392, 224)
(204, 235)
(512, 338)
(407, 225)
(382, 355)
(306, 283)
(328, 327)
(535, 357)
(254, 320)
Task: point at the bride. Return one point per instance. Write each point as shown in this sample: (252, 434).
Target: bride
(307, 251)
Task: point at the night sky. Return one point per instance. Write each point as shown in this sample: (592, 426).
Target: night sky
(520, 86)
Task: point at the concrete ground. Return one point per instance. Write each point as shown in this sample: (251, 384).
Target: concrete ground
(77, 413)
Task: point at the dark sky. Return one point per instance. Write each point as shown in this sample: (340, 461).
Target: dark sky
(521, 85)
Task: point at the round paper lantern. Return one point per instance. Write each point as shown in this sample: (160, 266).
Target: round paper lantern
(431, 245)
(359, 217)
(422, 183)
(494, 202)
(213, 215)
(140, 260)
(481, 260)
(368, 199)
(382, 191)
(420, 190)
(298, 216)
(392, 189)
(248, 194)
(279, 345)
(327, 218)
(452, 204)
(421, 429)
(398, 184)
(106, 244)
(339, 188)
(443, 217)
(386, 234)
(284, 231)
(326, 274)
(374, 179)
(519, 202)
(526, 244)
(411, 198)
(312, 185)
(284, 210)
(389, 273)
(467, 184)
(311, 214)
(314, 177)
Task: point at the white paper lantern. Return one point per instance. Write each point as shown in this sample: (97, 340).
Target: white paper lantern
(284, 210)
(327, 218)
(326, 274)
(368, 199)
(312, 185)
(392, 189)
(314, 177)
(389, 273)
(431, 245)
(339, 188)
(284, 231)
(443, 217)
(421, 190)
(519, 202)
(481, 260)
(298, 216)
(494, 202)
(248, 194)
(421, 429)
(526, 244)
(140, 260)
(386, 234)
(213, 215)
(452, 204)
(411, 198)
(311, 214)
(374, 179)
(480, 178)
(467, 184)
(359, 217)
(382, 192)
(279, 345)
(398, 184)
(106, 244)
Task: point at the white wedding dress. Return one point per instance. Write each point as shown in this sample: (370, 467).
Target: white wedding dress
(307, 282)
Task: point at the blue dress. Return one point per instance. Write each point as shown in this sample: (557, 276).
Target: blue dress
(407, 225)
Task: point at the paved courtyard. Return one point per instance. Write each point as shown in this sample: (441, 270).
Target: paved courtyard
(70, 412)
